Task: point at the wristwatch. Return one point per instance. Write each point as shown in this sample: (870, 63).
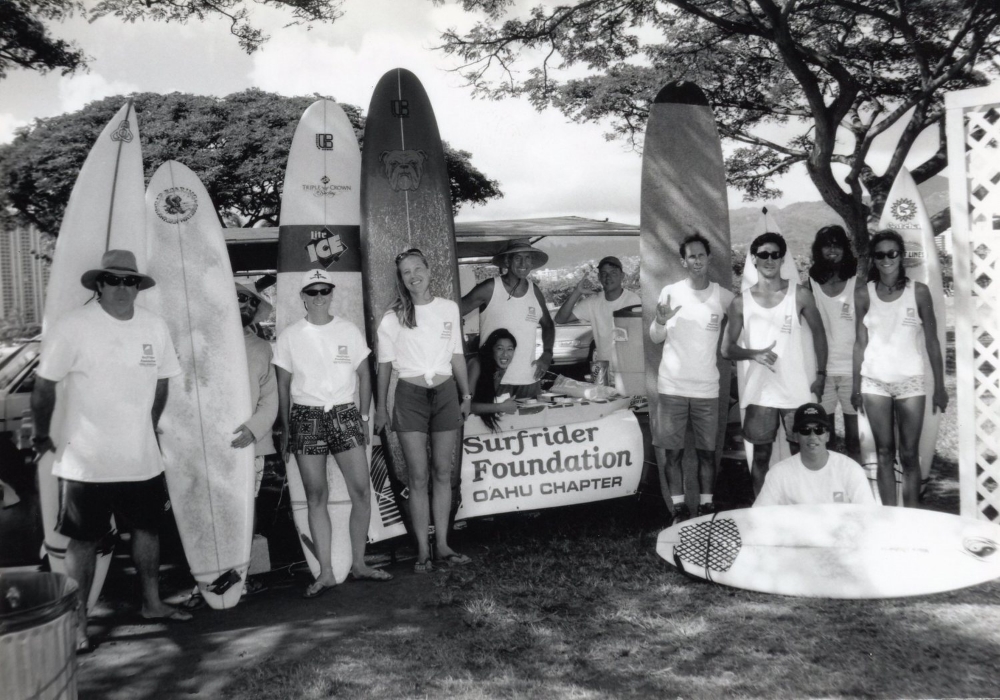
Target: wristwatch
(467, 397)
(364, 417)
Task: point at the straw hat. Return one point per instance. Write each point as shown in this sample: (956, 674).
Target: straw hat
(538, 258)
(120, 263)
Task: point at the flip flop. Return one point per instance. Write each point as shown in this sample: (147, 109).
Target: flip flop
(85, 646)
(175, 615)
(454, 559)
(313, 592)
(423, 567)
(375, 575)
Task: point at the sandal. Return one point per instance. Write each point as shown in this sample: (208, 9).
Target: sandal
(454, 559)
(375, 575)
(423, 567)
(313, 592)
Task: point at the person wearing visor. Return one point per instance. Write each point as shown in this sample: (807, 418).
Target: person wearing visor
(112, 362)
(321, 365)
(513, 302)
(814, 475)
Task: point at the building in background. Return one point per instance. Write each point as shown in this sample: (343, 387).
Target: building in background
(23, 276)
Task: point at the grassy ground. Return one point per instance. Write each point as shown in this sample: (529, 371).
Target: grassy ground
(575, 603)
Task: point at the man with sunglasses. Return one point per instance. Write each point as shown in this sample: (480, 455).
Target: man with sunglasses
(768, 317)
(112, 362)
(815, 475)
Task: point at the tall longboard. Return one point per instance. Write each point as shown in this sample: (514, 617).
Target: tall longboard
(211, 483)
(405, 203)
(683, 192)
(320, 223)
(835, 550)
(906, 214)
(105, 211)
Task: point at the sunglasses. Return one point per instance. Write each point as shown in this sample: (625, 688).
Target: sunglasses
(247, 299)
(883, 254)
(814, 430)
(773, 255)
(116, 281)
(405, 253)
(322, 292)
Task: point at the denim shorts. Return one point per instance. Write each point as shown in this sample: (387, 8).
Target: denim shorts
(426, 409)
(314, 431)
(673, 413)
(760, 424)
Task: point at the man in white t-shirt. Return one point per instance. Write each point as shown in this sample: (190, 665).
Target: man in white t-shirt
(815, 475)
(690, 318)
(599, 309)
(111, 361)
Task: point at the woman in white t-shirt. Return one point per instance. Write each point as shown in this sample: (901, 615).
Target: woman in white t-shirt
(321, 363)
(420, 337)
(486, 375)
(895, 324)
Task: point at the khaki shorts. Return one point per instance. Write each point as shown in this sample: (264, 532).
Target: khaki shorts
(674, 413)
(838, 390)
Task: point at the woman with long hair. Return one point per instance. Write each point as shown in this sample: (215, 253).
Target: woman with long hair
(486, 372)
(420, 336)
(895, 323)
(321, 361)
(832, 278)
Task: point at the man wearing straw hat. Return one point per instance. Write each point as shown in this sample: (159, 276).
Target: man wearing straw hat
(112, 362)
(513, 302)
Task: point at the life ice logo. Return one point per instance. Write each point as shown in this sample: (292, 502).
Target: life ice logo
(122, 133)
(325, 247)
(324, 142)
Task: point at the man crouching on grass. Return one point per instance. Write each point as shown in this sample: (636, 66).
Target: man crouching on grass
(814, 475)
(112, 361)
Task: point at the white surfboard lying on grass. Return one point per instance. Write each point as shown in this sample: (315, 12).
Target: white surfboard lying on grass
(835, 551)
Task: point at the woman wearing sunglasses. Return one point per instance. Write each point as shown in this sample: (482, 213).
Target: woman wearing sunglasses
(320, 362)
(420, 336)
(895, 324)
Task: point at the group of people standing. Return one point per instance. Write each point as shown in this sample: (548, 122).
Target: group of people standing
(114, 359)
(869, 343)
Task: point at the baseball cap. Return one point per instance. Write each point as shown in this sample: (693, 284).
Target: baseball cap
(610, 260)
(809, 413)
(316, 277)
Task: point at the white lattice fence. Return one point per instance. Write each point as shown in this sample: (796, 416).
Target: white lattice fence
(973, 131)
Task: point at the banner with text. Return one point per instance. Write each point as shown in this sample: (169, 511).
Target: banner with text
(545, 467)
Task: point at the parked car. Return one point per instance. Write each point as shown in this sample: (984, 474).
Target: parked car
(17, 380)
(574, 342)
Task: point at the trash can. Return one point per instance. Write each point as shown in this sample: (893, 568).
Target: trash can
(629, 346)
(37, 636)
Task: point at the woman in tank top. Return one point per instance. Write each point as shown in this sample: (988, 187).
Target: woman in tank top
(895, 323)
(832, 278)
(420, 336)
(486, 373)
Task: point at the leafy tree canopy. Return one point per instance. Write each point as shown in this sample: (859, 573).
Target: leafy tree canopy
(238, 145)
(25, 41)
(831, 74)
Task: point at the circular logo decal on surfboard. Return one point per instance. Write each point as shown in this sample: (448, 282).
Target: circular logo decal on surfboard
(904, 209)
(980, 547)
(176, 205)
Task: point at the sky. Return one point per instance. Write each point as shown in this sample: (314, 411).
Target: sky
(546, 165)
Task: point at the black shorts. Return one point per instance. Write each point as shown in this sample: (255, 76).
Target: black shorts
(426, 409)
(85, 508)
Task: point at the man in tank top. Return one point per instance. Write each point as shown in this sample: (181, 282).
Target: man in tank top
(831, 278)
(768, 317)
(690, 318)
(513, 302)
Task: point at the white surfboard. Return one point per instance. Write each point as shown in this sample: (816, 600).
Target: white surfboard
(105, 211)
(211, 483)
(765, 223)
(906, 214)
(836, 550)
(320, 229)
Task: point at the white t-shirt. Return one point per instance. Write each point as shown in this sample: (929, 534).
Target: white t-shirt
(600, 313)
(108, 370)
(841, 480)
(323, 361)
(427, 348)
(690, 340)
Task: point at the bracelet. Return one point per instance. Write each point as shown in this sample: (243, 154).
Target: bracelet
(821, 371)
(466, 397)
